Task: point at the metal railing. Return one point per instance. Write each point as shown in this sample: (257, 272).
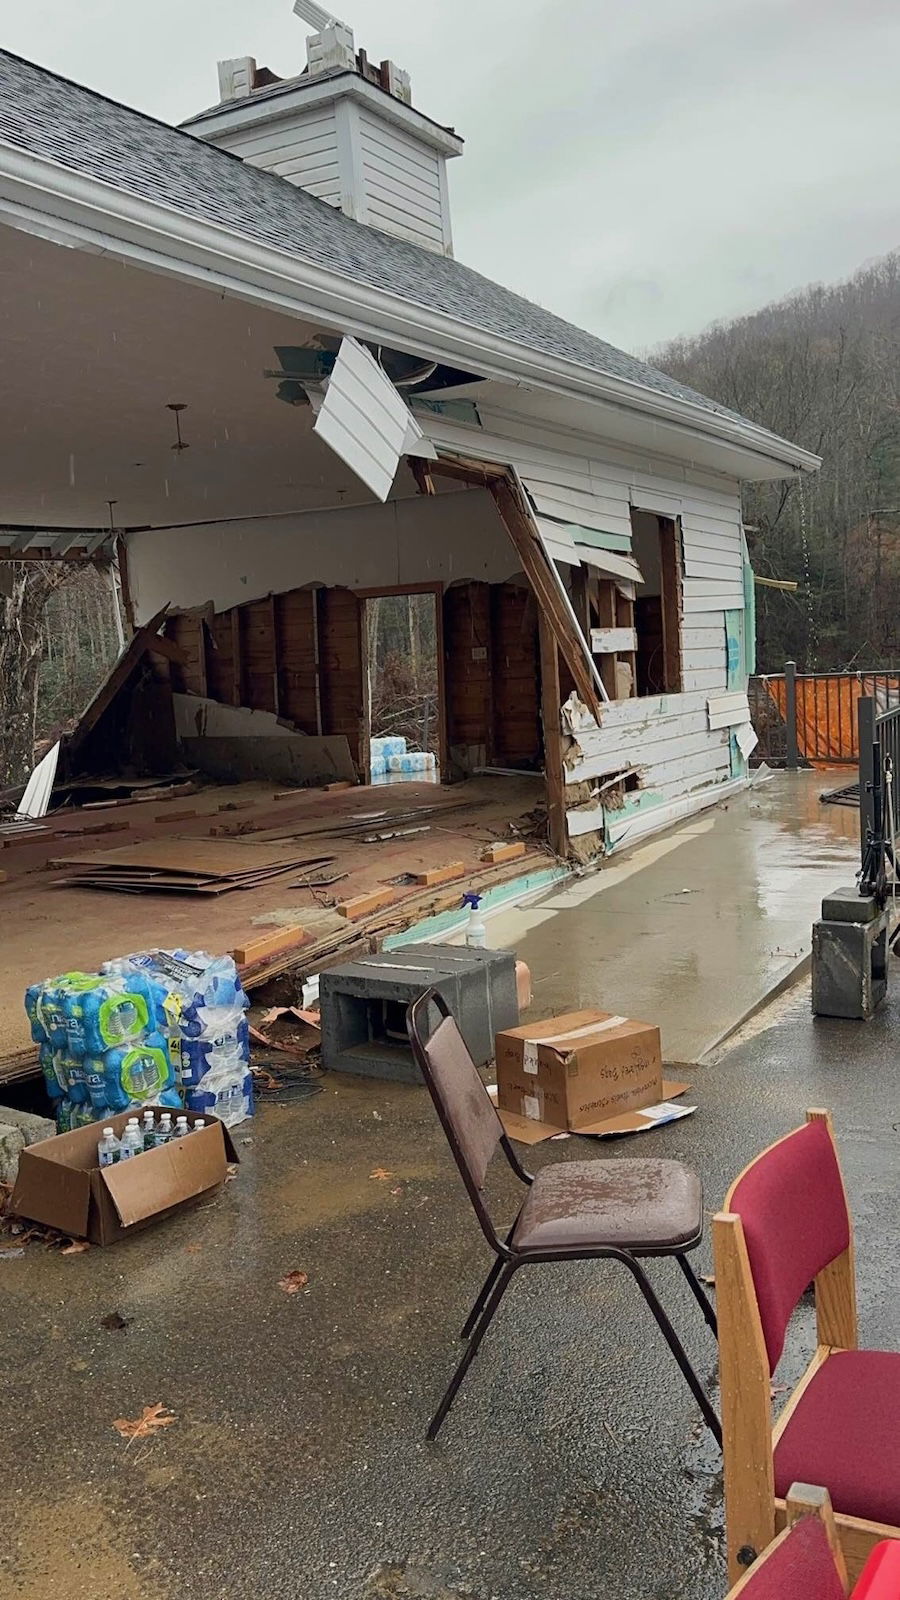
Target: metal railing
(802, 719)
(879, 768)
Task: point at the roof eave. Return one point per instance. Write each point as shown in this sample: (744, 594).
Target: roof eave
(74, 209)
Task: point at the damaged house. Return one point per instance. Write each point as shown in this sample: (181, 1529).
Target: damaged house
(241, 357)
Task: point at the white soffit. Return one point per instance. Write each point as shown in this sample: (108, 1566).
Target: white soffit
(366, 422)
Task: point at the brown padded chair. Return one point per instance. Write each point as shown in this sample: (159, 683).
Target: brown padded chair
(573, 1211)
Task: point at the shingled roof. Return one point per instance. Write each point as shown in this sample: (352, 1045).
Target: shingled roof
(48, 116)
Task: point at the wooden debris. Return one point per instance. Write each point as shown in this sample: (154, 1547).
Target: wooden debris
(272, 944)
(364, 904)
(432, 876)
(498, 852)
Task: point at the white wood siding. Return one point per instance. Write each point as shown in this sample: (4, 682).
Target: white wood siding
(667, 739)
(401, 182)
(303, 149)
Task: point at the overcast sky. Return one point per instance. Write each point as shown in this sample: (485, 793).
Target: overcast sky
(642, 167)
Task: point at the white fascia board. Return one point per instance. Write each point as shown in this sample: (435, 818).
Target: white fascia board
(45, 198)
(324, 91)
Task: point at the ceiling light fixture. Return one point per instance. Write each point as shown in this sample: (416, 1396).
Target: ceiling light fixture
(177, 406)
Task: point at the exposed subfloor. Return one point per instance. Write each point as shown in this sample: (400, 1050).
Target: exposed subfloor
(49, 927)
(574, 1464)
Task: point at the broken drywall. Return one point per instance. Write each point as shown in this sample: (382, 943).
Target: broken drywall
(236, 745)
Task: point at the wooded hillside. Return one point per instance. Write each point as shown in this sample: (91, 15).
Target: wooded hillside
(821, 368)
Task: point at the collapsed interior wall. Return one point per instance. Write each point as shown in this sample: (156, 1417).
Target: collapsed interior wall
(300, 656)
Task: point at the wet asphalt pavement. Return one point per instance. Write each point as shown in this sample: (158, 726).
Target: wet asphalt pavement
(573, 1466)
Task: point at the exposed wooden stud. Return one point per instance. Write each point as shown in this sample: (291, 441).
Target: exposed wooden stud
(550, 716)
(424, 480)
(606, 612)
(581, 599)
(672, 602)
(237, 658)
(276, 662)
(124, 584)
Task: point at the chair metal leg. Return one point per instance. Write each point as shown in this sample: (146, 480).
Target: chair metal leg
(481, 1301)
(702, 1299)
(676, 1347)
(481, 1328)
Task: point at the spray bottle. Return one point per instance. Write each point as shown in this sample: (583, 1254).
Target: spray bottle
(476, 932)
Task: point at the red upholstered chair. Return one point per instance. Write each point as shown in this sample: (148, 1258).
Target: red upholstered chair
(805, 1562)
(786, 1226)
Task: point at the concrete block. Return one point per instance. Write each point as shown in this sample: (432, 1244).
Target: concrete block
(363, 1005)
(12, 1143)
(849, 968)
(848, 905)
(33, 1127)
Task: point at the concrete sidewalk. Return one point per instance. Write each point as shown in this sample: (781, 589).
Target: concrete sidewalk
(698, 926)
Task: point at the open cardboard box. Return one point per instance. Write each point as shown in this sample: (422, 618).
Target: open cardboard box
(586, 1072)
(60, 1184)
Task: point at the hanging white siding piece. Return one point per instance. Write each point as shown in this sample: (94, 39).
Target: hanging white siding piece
(611, 565)
(728, 710)
(747, 740)
(609, 641)
(366, 422)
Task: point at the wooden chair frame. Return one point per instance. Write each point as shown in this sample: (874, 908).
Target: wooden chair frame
(803, 1501)
(753, 1514)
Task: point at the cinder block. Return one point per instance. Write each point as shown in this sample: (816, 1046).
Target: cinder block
(849, 968)
(849, 905)
(12, 1143)
(33, 1127)
(430, 878)
(495, 853)
(364, 904)
(363, 1005)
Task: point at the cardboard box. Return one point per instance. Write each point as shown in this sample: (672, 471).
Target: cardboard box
(586, 1072)
(61, 1185)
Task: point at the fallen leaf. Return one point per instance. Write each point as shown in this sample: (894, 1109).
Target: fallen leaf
(151, 1419)
(193, 1249)
(382, 1174)
(114, 1321)
(293, 1282)
(77, 1247)
(231, 1174)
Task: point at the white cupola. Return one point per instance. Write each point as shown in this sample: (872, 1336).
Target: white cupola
(344, 130)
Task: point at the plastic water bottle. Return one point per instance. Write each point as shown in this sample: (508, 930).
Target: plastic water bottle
(476, 932)
(132, 1140)
(108, 1149)
(181, 1127)
(149, 1131)
(200, 1123)
(163, 1133)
